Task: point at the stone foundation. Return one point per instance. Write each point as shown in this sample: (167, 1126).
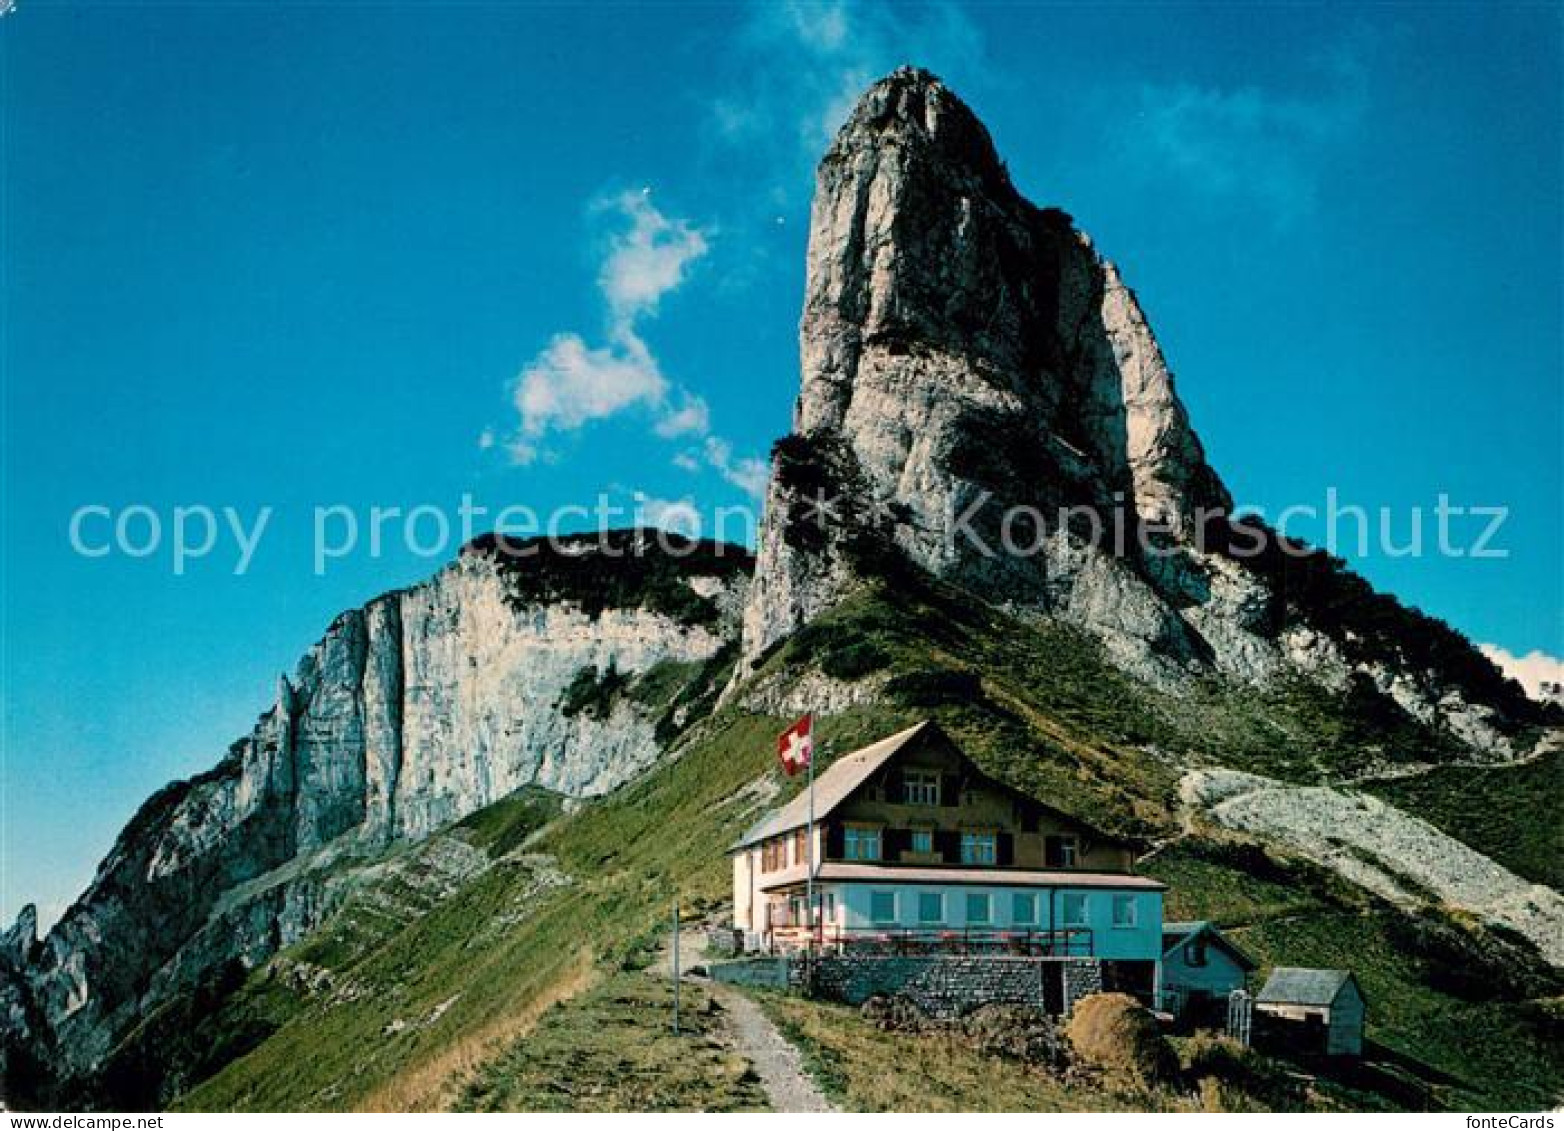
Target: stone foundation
(1082, 978)
(948, 986)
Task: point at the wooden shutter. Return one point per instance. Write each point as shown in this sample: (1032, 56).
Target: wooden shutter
(894, 843)
(948, 844)
(1005, 850)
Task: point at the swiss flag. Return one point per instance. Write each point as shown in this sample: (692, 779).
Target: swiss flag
(796, 746)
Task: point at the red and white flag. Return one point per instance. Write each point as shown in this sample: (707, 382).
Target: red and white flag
(796, 746)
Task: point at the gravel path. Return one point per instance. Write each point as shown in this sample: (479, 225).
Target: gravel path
(754, 1037)
(776, 1061)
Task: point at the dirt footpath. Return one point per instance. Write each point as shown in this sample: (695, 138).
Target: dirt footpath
(778, 1064)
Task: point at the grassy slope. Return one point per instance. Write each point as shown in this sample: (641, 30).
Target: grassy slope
(1473, 1051)
(1035, 704)
(613, 1049)
(495, 957)
(861, 1068)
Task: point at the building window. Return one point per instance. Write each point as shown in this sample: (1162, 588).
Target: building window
(1061, 851)
(923, 840)
(978, 910)
(1074, 909)
(861, 844)
(920, 787)
(931, 907)
(773, 855)
(1124, 911)
(830, 907)
(978, 848)
(1023, 909)
(1196, 952)
(882, 906)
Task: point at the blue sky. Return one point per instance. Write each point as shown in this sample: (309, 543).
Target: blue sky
(300, 256)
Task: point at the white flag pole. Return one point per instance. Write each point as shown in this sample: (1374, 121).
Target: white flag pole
(810, 889)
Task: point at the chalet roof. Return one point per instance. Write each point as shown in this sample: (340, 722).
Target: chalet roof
(982, 877)
(1296, 985)
(832, 787)
(1176, 934)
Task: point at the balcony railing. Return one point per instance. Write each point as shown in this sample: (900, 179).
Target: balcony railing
(1067, 942)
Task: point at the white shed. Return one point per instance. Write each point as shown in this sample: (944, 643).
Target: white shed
(1327, 1001)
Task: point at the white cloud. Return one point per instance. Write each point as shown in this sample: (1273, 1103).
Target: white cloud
(822, 27)
(747, 473)
(679, 515)
(693, 416)
(647, 261)
(1531, 671)
(807, 62)
(571, 383)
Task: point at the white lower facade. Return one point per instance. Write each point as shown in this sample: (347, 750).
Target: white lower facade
(1093, 918)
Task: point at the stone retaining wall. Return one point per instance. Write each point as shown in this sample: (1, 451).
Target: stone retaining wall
(1082, 978)
(774, 973)
(947, 986)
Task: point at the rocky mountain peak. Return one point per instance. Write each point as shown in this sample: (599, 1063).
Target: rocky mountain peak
(962, 348)
(911, 108)
(19, 939)
(982, 397)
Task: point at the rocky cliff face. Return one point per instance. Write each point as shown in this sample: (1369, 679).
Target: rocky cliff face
(516, 665)
(982, 396)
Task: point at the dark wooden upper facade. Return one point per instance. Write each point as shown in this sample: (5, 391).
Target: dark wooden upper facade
(930, 805)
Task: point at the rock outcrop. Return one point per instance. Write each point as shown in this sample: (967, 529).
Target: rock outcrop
(423, 706)
(982, 396)
(966, 355)
(1378, 847)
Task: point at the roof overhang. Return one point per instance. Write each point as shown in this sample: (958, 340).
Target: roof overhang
(838, 872)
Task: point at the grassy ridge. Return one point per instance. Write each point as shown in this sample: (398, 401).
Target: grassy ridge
(455, 1006)
(613, 1049)
(407, 1019)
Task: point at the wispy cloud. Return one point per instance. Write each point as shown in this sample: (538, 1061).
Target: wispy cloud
(691, 417)
(806, 62)
(747, 473)
(1531, 671)
(1246, 143)
(648, 260)
(572, 382)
